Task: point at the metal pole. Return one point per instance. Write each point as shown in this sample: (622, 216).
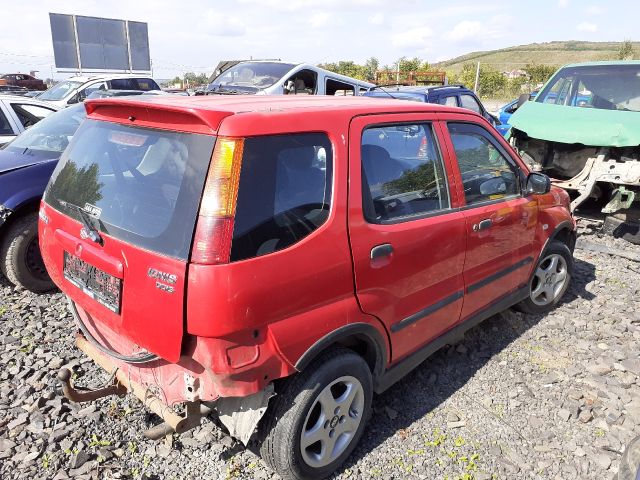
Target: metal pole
(75, 35)
(475, 87)
(126, 29)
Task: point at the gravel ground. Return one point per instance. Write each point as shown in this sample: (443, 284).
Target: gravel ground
(551, 397)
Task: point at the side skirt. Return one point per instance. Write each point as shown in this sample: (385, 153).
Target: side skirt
(406, 365)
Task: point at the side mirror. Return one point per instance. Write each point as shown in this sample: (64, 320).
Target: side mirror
(522, 99)
(538, 184)
(493, 186)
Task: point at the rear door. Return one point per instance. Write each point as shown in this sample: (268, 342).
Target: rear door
(407, 237)
(499, 220)
(140, 189)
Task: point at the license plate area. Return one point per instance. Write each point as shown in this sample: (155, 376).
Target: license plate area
(102, 287)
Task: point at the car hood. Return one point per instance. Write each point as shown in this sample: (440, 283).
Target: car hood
(587, 126)
(13, 161)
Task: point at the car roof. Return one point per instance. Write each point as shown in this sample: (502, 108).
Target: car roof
(604, 62)
(84, 78)
(419, 88)
(210, 109)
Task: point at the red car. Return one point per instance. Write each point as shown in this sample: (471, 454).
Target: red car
(23, 80)
(218, 250)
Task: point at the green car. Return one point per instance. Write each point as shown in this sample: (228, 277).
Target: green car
(583, 130)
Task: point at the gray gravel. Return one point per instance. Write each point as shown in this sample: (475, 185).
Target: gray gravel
(551, 397)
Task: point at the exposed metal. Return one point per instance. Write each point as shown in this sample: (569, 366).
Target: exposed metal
(4, 214)
(76, 395)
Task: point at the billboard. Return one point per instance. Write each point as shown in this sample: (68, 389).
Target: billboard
(99, 44)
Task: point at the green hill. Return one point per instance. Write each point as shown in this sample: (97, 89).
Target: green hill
(550, 53)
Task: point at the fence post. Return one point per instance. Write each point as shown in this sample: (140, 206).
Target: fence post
(475, 86)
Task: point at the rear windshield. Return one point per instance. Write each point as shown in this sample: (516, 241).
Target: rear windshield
(142, 186)
(606, 87)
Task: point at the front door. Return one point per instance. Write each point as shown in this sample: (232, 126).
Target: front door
(500, 222)
(407, 236)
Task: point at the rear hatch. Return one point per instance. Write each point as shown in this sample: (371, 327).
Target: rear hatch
(117, 227)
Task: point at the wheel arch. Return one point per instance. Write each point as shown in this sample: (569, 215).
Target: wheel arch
(30, 205)
(360, 337)
(565, 233)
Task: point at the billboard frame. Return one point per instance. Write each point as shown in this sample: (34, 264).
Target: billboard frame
(80, 70)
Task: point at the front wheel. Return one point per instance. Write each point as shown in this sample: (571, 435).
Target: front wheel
(318, 417)
(550, 279)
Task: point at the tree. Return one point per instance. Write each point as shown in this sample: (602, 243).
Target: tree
(539, 73)
(371, 67)
(626, 51)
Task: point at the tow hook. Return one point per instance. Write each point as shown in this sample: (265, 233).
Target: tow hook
(64, 375)
(173, 423)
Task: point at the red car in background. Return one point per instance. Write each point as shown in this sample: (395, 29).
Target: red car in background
(23, 80)
(290, 256)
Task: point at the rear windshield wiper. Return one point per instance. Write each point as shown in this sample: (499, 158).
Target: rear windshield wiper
(92, 231)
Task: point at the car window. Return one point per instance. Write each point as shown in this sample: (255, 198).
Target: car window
(284, 193)
(470, 103)
(30, 114)
(122, 84)
(5, 126)
(145, 84)
(487, 173)
(336, 87)
(84, 93)
(448, 101)
(402, 173)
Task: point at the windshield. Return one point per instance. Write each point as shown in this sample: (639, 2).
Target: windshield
(140, 185)
(50, 136)
(257, 75)
(59, 90)
(606, 87)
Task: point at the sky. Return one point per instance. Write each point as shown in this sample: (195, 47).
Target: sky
(193, 35)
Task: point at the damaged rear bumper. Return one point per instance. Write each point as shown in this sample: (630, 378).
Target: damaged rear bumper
(240, 415)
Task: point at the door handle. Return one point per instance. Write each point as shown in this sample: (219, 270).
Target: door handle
(383, 250)
(483, 225)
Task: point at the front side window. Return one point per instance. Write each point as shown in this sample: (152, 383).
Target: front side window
(284, 193)
(487, 174)
(402, 173)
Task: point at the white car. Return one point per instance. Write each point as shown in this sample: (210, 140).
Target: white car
(18, 113)
(76, 89)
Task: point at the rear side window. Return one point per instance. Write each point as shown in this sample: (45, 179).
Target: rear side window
(5, 126)
(467, 101)
(402, 173)
(140, 185)
(145, 84)
(448, 101)
(284, 193)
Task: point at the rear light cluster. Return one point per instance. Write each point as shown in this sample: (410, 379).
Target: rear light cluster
(214, 231)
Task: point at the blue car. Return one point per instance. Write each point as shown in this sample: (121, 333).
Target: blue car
(26, 163)
(505, 112)
(451, 95)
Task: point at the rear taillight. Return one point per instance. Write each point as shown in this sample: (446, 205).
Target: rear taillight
(212, 242)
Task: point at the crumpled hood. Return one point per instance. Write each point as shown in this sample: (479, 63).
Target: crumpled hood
(587, 126)
(12, 161)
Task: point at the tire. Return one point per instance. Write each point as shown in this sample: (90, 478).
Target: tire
(20, 259)
(550, 279)
(630, 463)
(338, 380)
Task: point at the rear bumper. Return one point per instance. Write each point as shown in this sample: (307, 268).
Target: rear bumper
(209, 368)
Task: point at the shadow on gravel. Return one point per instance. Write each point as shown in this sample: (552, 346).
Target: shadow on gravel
(451, 367)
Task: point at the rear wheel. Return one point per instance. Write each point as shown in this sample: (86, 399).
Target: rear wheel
(550, 279)
(20, 258)
(318, 417)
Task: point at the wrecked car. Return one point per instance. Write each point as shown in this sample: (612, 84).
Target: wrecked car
(583, 130)
(261, 77)
(26, 164)
(279, 259)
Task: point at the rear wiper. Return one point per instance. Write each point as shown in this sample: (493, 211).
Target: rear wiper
(92, 232)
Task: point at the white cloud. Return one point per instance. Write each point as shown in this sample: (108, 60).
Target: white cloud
(412, 38)
(465, 30)
(377, 19)
(563, 3)
(587, 27)
(594, 10)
